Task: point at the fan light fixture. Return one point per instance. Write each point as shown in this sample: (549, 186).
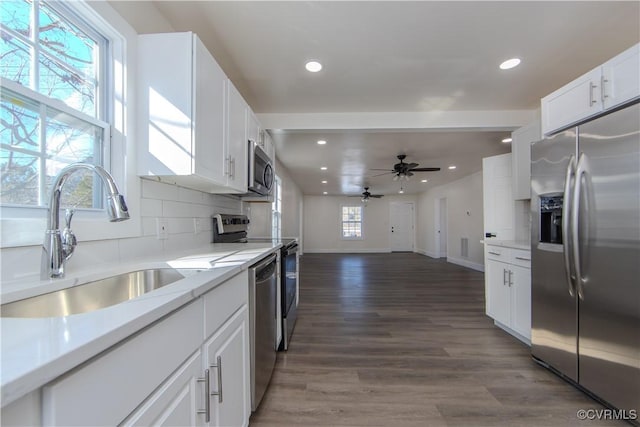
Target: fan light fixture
(313, 66)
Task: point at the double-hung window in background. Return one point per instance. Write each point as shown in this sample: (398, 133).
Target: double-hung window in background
(54, 70)
(352, 222)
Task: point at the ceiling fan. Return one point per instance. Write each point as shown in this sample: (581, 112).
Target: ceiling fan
(366, 195)
(404, 170)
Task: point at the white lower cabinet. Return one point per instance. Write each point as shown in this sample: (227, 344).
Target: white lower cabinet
(508, 290)
(227, 364)
(177, 402)
(169, 374)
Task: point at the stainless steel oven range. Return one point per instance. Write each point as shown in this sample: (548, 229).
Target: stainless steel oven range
(233, 229)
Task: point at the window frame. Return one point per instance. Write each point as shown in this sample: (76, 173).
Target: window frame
(25, 226)
(361, 208)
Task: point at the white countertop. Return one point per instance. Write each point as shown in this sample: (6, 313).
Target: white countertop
(35, 351)
(515, 244)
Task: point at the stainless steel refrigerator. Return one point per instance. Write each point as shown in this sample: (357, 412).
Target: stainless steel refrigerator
(585, 250)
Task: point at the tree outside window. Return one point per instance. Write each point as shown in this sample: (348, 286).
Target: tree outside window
(53, 70)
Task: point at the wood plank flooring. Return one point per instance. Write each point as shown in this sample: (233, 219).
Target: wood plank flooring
(402, 340)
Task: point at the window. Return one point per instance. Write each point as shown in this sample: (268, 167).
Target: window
(276, 218)
(352, 222)
(53, 105)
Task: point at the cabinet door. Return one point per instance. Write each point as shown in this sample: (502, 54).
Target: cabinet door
(497, 291)
(521, 159)
(209, 101)
(227, 354)
(178, 400)
(521, 300)
(254, 128)
(236, 139)
(620, 81)
(572, 103)
(497, 196)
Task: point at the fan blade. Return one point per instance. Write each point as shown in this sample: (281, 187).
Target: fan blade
(376, 196)
(411, 165)
(425, 169)
(388, 170)
(380, 174)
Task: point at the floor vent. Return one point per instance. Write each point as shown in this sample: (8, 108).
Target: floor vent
(464, 247)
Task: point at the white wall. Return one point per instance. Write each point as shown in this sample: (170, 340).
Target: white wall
(464, 214)
(322, 224)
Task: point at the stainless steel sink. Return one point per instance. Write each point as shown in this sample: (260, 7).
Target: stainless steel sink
(95, 295)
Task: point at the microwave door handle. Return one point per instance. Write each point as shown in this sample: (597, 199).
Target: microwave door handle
(252, 163)
(566, 223)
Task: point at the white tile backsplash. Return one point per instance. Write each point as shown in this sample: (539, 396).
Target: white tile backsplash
(178, 205)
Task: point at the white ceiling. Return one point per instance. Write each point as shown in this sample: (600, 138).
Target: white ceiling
(395, 56)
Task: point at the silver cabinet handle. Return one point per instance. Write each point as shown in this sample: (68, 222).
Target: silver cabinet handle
(227, 166)
(592, 99)
(510, 278)
(504, 277)
(233, 167)
(523, 259)
(218, 366)
(566, 223)
(207, 403)
(603, 89)
(495, 253)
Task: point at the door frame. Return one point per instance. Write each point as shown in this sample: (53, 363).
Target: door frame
(413, 223)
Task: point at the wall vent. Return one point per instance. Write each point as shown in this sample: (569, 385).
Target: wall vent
(464, 247)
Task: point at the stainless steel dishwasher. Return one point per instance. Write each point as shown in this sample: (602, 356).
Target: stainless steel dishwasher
(263, 282)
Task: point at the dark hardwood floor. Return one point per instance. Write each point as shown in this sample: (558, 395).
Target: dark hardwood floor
(402, 340)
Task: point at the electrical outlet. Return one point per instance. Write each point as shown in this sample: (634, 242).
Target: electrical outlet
(197, 225)
(162, 228)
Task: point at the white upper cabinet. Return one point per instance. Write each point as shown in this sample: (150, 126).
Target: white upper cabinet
(604, 87)
(521, 159)
(187, 111)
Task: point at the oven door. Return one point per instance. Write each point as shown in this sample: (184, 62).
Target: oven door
(261, 174)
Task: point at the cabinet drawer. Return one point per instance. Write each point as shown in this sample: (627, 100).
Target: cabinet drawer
(497, 253)
(521, 257)
(109, 388)
(221, 302)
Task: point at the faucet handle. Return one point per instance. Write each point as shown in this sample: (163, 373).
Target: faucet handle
(68, 215)
(69, 241)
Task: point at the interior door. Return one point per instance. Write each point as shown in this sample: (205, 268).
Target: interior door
(401, 222)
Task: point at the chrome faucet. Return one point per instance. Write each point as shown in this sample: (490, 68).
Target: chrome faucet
(59, 246)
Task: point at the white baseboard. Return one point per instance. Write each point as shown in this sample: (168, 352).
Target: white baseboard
(466, 263)
(424, 252)
(348, 251)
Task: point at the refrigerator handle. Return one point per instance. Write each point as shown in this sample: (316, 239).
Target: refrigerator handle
(575, 241)
(566, 215)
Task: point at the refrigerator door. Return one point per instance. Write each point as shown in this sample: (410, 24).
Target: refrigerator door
(554, 314)
(608, 258)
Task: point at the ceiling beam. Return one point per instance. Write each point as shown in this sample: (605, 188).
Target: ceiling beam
(434, 120)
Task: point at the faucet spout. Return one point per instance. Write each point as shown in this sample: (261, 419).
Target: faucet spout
(58, 247)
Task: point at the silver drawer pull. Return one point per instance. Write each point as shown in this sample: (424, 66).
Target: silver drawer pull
(523, 259)
(207, 404)
(495, 253)
(218, 365)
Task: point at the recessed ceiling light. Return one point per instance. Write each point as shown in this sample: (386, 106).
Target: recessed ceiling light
(510, 63)
(324, 182)
(424, 180)
(452, 167)
(313, 66)
(322, 142)
(507, 140)
(323, 168)
(324, 192)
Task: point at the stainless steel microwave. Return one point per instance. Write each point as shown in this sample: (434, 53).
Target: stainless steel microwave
(260, 170)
